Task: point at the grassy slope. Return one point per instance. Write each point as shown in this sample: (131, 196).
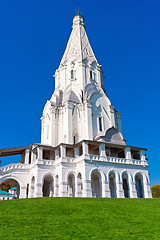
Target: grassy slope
(73, 218)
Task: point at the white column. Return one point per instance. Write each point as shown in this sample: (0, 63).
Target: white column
(102, 150)
(38, 190)
(76, 152)
(42, 129)
(63, 151)
(120, 191)
(132, 189)
(87, 190)
(52, 126)
(146, 188)
(127, 152)
(22, 192)
(112, 116)
(62, 183)
(107, 190)
(85, 148)
(78, 190)
(119, 121)
(142, 155)
(56, 154)
(40, 153)
(26, 161)
(56, 187)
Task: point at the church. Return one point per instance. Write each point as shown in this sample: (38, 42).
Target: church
(82, 151)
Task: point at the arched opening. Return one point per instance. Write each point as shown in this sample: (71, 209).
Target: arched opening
(112, 185)
(71, 185)
(79, 185)
(10, 183)
(96, 185)
(48, 186)
(56, 186)
(32, 187)
(125, 185)
(139, 186)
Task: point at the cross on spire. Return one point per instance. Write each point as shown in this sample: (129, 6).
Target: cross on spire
(78, 11)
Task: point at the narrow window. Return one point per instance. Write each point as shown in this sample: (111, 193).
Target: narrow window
(72, 74)
(100, 123)
(74, 140)
(91, 77)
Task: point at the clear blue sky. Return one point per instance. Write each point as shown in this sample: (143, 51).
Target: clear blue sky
(125, 37)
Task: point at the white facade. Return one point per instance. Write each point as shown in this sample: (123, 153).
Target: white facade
(82, 151)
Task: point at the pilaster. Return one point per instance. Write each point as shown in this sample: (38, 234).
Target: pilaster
(68, 121)
(120, 191)
(132, 190)
(105, 190)
(88, 120)
(22, 192)
(52, 126)
(87, 190)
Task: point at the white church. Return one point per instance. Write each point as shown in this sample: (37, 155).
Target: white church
(82, 151)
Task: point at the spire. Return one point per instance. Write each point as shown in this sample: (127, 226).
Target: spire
(78, 47)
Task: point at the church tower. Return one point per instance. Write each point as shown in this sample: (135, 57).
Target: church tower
(79, 109)
(82, 151)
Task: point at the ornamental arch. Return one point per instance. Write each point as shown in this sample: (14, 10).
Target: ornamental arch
(16, 182)
(79, 185)
(112, 177)
(96, 183)
(71, 184)
(139, 184)
(48, 185)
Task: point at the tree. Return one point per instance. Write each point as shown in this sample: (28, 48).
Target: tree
(155, 191)
(6, 186)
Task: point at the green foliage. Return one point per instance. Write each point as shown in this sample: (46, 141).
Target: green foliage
(155, 191)
(80, 218)
(6, 186)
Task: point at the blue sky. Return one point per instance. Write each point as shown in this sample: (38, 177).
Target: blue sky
(125, 38)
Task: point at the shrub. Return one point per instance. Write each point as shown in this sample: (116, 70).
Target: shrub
(155, 191)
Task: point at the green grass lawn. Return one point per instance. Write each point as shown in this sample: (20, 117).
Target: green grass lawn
(80, 218)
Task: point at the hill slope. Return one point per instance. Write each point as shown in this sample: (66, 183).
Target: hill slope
(75, 218)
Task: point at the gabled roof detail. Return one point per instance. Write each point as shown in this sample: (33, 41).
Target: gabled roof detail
(78, 47)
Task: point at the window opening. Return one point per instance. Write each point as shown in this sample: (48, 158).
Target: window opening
(91, 77)
(72, 74)
(100, 124)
